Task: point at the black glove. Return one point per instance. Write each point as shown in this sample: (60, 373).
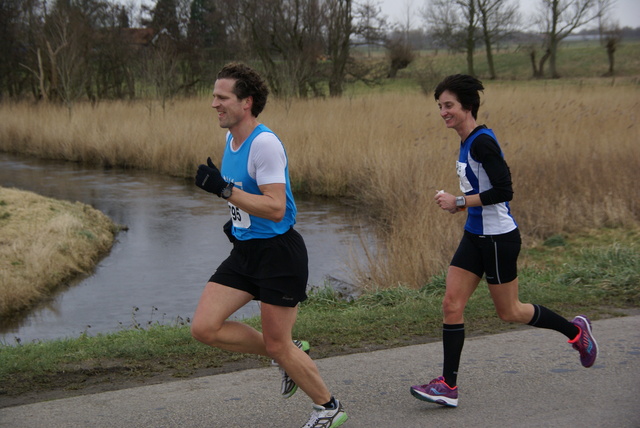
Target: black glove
(209, 178)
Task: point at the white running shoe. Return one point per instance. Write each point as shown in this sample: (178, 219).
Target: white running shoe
(289, 387)
(327, 418)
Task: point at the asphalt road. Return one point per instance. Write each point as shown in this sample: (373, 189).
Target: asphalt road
(525, 378)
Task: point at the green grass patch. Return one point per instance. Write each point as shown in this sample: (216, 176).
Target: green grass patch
(575, 61)
(596, 273)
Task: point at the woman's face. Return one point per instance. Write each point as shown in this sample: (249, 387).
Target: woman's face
(454, 115)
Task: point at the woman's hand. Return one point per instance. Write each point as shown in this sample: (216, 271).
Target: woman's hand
(446, 201)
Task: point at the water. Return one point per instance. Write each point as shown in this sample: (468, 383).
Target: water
(160, 265)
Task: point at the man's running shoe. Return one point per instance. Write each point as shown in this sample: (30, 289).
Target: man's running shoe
(584, 342)
(437, 391)
(327, 418)
(289, 387)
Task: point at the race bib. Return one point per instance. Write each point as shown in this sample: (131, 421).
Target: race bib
(239, 218)
(461, 169)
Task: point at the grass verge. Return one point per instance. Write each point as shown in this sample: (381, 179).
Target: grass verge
(44, 243)
(595, 272)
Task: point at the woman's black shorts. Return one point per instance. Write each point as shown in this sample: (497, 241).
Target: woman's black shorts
(495, 256)
(273, 270)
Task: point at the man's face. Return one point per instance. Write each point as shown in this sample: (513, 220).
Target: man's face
(231, 110)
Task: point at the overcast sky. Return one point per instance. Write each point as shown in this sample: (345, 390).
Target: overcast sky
(626, 12)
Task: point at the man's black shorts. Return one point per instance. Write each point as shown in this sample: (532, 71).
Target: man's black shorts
(495, 256)
(273, 270)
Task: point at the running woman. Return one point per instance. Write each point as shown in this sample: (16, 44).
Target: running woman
(268, 261)
(490, 244)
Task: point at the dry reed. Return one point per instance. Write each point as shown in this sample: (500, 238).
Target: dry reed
(573, 154)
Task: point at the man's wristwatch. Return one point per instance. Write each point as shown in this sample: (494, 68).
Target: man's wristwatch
(226, 192)
(461, 202)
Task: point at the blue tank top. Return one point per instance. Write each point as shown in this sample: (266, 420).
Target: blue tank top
(493, 219)
(235, 169)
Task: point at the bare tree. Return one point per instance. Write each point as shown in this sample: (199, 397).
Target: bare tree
(302, 43)
(286, 36)
(497, 19)
(34, 13)
(339, 30)
(164, 16)
(10, 45)
(612, 40)
(207, 39)
(408, 18)
(54, 38)
(444, 24)
(370, 24)
(469, 11)
(537, 64)
(237, 27)
(603, 10)
(161, 66)
(115, 56)
(608, 31)
(560, 18)
(400, 56)
(71, 30)
(68, 61)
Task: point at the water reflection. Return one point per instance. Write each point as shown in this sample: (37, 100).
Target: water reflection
(174, 243)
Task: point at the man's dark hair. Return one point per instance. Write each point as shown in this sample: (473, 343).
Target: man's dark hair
(248, 84)
(466, 88)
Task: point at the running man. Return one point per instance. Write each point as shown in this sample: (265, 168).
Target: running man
(268, 261)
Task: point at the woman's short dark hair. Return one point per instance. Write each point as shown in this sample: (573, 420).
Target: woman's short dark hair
(466, 88)
(248, 84)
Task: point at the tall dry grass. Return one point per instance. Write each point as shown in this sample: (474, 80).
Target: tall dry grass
(112, 134)
(573, 153)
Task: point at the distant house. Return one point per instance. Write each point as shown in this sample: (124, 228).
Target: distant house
(162, 34)
(144, 37)
(139, 37)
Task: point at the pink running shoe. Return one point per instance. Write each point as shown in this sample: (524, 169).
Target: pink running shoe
(584, 342)
(437, 391)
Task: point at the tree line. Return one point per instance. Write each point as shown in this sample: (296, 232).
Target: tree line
(63, 50)
(472, 23)
(66, 50)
